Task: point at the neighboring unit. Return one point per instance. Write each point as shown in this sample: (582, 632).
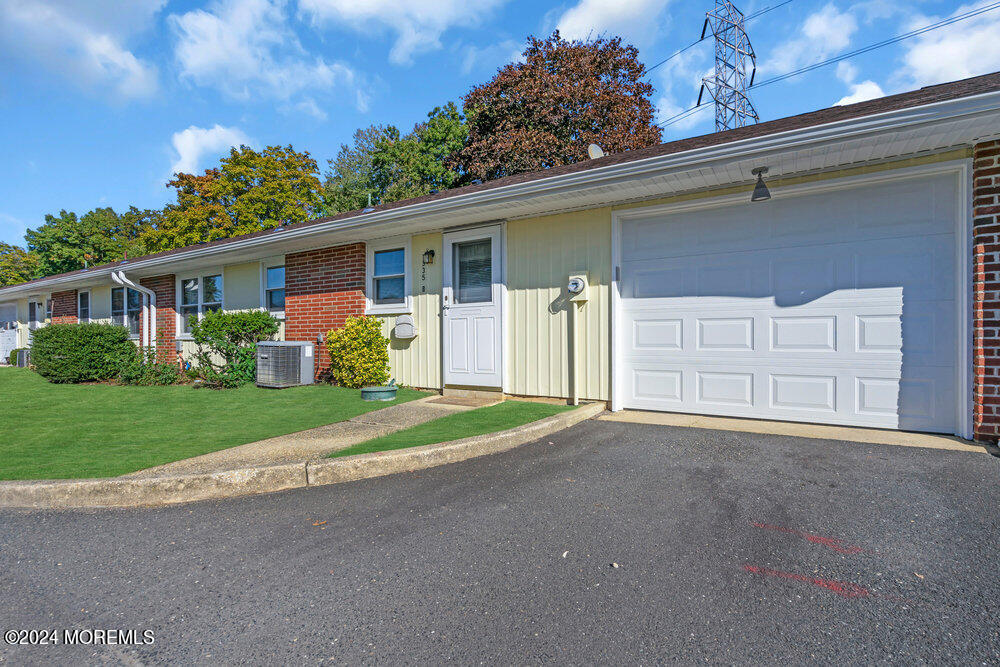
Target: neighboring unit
(865, 291)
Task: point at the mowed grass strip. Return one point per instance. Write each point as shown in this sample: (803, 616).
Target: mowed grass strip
(51, 431)
(480, 421)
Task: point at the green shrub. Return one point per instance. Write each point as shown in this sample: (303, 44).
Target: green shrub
(80, 352)
(12, 357)
(359, 353)
(226, 345)
(146, 371)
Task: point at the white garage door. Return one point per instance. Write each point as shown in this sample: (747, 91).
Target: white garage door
(836, 307)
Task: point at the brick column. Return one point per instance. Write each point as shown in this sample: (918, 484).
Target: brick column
(165, 288)
(323, 288)
(986, 290)
(64, 307)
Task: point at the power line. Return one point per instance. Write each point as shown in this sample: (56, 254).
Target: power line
(699, 41)
(878, 45)
(871, 47)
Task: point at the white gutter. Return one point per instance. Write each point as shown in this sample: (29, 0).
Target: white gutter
(148, 308)
(926, 114)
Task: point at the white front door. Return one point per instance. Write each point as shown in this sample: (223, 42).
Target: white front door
(473, 307)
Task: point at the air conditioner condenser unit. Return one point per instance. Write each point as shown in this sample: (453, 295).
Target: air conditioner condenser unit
(285, 363)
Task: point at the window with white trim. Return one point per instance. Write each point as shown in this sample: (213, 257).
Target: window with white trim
(198, 296)
(274, 289)
(388, 274)
(126, 309)
(83, 306)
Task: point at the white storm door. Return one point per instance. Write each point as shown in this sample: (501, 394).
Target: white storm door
(472, 307)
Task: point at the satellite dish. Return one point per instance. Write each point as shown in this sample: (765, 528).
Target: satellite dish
(595, 151)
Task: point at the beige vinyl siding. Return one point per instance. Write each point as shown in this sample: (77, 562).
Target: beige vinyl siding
(241, 286)
(541, 255)
(417, 362)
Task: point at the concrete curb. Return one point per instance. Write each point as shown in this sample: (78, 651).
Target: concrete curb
(363, 466)
(173, 489)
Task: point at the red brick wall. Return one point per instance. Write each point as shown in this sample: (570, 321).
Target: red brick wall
(322, 288)
(986, 290)
(64, 307)
(166, 321)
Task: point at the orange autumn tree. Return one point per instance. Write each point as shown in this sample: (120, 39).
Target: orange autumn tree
(250, 191)
(545, 111)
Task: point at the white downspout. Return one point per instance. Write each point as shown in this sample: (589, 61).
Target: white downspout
(148, 311)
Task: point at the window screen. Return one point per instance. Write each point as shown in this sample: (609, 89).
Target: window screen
(473, 271)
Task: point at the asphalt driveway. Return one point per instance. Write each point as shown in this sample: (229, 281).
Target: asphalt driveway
(729, 548)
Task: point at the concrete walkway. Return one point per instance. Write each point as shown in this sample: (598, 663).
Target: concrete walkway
(316, 443)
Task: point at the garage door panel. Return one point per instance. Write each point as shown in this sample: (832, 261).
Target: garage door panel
(724, 388)
(839, 396)
(885, 211)
(921, 269)
(803, 392)
(803, 333)
(857, 329)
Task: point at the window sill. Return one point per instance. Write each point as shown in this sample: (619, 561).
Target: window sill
(389, 309)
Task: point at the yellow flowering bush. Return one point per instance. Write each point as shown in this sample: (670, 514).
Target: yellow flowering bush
(359, 353)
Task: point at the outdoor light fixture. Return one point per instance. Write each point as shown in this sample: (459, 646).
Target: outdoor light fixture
(428, 257)
(760, 191)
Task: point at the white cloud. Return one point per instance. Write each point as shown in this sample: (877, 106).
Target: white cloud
(83, 41)
(679, 82)
(194, 143)
(418, 24)
(860, 92)
(490, 56)
(636, 21)
(823, 34)
(957, 51)
(12, 229)
(246, 49)
(310, 108)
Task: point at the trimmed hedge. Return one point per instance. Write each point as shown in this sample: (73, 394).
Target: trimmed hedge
(80, 352)
(145, 370)
(359, 353)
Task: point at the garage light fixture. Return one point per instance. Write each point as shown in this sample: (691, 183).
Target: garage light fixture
(760, 191)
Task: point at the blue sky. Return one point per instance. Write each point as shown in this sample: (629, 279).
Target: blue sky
(102, 100)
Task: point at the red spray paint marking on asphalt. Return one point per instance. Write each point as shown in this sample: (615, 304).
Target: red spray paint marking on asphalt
(828, 542)
(844, 589)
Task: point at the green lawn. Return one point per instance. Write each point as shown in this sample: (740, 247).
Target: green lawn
(50, 431)
(460, 425)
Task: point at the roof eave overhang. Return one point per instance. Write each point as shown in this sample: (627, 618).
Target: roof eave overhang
(367, 225)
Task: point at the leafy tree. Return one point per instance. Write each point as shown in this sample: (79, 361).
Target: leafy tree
(66, 242)
(386, 166)
(17, 265)
(248, 192)
(414, 165)
(545, 111)
(350, 179)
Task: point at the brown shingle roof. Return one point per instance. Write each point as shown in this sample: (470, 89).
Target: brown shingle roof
(928, 95)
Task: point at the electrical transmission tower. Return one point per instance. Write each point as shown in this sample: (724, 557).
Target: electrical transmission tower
(728, 85)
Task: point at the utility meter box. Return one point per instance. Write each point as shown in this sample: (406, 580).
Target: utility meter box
(405, 329)
(578, 286)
